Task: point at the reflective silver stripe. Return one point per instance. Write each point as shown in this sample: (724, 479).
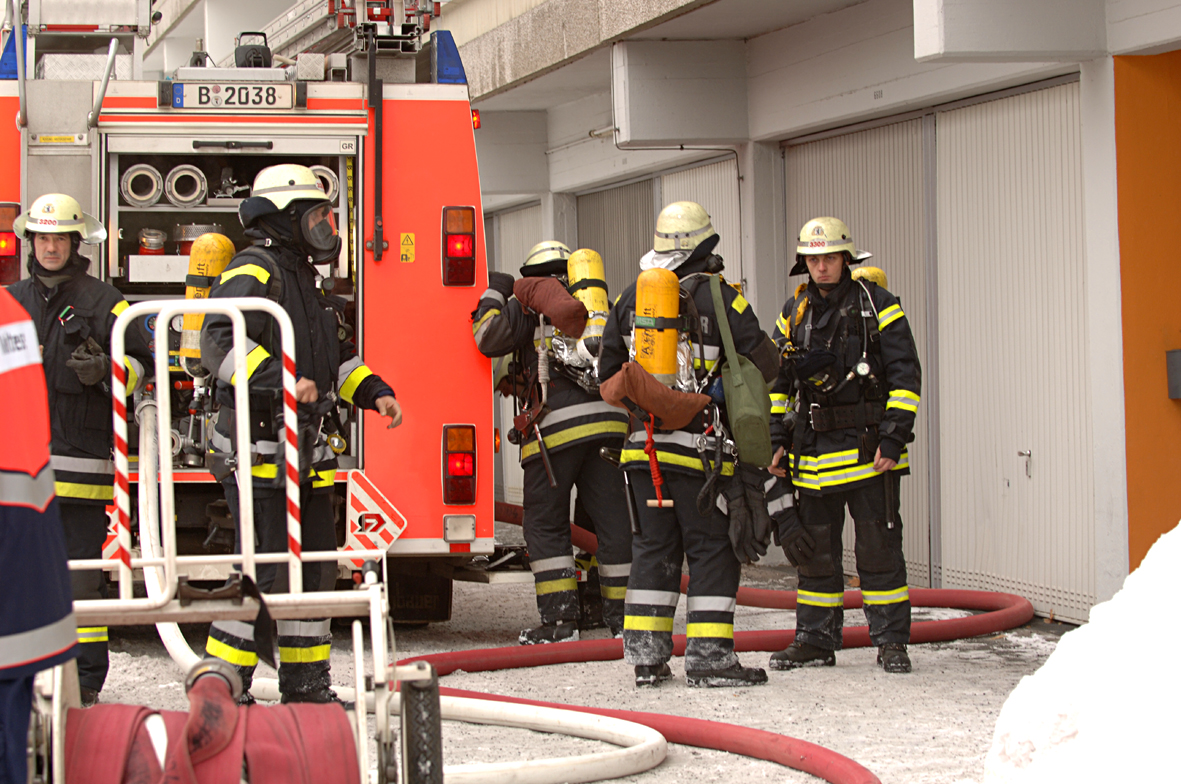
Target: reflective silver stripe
(654, 598)
(307, 186)
(225, 371)
(615, 570)
(321, 452)
(494, 294)
(552, 564)
(709, 353)
(770, 483)
(239, 629)
(780, 504)
(321, 628)
(678, 438)
(342, 375)
(711, 604)
(886, 597)
(40, 643)
(222, 444)
(19, 489)
(580, 410)
(82, 465)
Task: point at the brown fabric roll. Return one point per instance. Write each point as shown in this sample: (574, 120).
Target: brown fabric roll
(674, 409)
(549, 297)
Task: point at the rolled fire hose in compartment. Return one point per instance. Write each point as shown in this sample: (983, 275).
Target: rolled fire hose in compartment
(331, 181)
(186, 186)
(142, 185)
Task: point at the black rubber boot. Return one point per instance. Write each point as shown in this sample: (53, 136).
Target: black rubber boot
(802, 654)
(560, 631)
(89, 697)
(318, 697)
(652, 674)
(735, 675)
(892, 657)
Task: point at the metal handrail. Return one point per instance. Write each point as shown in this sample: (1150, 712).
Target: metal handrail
(92, 118)
(18, 29)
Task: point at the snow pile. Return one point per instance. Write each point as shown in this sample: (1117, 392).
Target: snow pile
(1103, 706)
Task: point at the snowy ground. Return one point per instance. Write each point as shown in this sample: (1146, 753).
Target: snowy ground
(934, 725)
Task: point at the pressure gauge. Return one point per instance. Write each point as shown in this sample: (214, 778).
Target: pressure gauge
(177, 323)
(861, 369)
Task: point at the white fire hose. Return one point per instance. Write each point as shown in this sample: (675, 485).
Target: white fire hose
(641, 748)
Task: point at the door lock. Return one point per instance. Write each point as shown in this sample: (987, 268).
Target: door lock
(1028, 455)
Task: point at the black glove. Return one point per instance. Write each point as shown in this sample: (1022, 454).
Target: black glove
(750, 525)
(89, 362)
(501, 282)
(798, 545)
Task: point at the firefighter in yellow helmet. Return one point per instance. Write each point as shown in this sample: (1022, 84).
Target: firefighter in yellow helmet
(675, 463)
(562, 425)
(73, 313)
(843, 412)
(291, 221)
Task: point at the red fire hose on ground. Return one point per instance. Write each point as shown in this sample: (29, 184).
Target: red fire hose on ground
(999, 612)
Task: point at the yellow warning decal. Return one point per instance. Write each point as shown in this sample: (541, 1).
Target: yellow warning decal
(51, 139)
(407, 247)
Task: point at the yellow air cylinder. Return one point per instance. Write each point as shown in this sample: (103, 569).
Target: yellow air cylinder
(875, 274)
(658, 294)
(208, 258)
(588, 285)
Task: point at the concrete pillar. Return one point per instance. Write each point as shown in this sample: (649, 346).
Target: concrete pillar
(1104, 329)
(764, 232)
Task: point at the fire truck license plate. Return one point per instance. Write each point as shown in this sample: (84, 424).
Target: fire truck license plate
(245, 96)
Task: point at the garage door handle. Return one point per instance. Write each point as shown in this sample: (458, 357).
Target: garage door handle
(1028, 455)
(233, 145)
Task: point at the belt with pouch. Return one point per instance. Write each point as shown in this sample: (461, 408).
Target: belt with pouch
(826, 418)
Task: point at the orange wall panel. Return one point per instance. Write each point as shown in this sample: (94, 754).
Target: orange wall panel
(1148, 159)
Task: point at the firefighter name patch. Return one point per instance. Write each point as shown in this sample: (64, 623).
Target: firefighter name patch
(406, 248)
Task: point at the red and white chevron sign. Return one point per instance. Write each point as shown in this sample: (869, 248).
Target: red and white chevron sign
(111, 543)
(373, 522)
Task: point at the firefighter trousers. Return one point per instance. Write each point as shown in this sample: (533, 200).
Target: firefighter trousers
(304, 645)
(820, 615)
(547, 531)
(668, 536)
(85, 526)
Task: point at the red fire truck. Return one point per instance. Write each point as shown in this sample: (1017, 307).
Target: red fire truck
(386, 122)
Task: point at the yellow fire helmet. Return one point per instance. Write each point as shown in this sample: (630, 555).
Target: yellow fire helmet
(288, 182)
(875, 274)
(825, 235)
(57, 213)
(545, 258)
(682, 225)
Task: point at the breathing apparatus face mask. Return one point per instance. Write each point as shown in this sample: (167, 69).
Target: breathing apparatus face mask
(317, 230)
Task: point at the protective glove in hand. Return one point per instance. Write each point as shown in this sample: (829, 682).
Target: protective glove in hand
(756, 501)
(750, 525)
(501, 282)
(798, 545)
(89, 362)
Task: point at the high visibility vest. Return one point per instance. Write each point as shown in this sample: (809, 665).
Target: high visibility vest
(25, 479)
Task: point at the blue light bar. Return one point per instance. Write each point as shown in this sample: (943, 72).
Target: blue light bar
(446, 67)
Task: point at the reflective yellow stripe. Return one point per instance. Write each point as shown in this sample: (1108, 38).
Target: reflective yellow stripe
(316, 653)
(120, 306)
(265, 470)
(723, 630)
(889, 316)
(781, 325)
(79, 490)
(132, 376)
(573, 434)
(739, 303)
(256, 357)
(556, 586)
(325, 478)
(252, 270)
(349, 387)
(647, 623)
(476, 326)
(671, 458)
(815, 480)
(92, 634)
(709, 363)
(778, 404)
(820, 599)
(904, 399)
(896, 596)
(613, 591)
(232, 655)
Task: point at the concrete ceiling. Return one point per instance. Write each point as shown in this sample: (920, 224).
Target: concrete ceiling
(723, 19)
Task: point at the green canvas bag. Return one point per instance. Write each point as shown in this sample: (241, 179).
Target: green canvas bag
(748, 401)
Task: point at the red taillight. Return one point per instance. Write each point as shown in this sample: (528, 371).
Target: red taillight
(459, 464)
(475, 119)
(7, 243)
(459, 246)
(9, 248)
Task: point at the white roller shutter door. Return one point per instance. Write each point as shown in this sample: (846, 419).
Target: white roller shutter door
(873, 180)
(1013, 332)
(618, 223)
(715, 187)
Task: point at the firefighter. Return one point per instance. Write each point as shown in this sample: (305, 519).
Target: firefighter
(855, 380)
(290, 219)
(574, 424)
(37, 628)
(73, 313)
(684, 242)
